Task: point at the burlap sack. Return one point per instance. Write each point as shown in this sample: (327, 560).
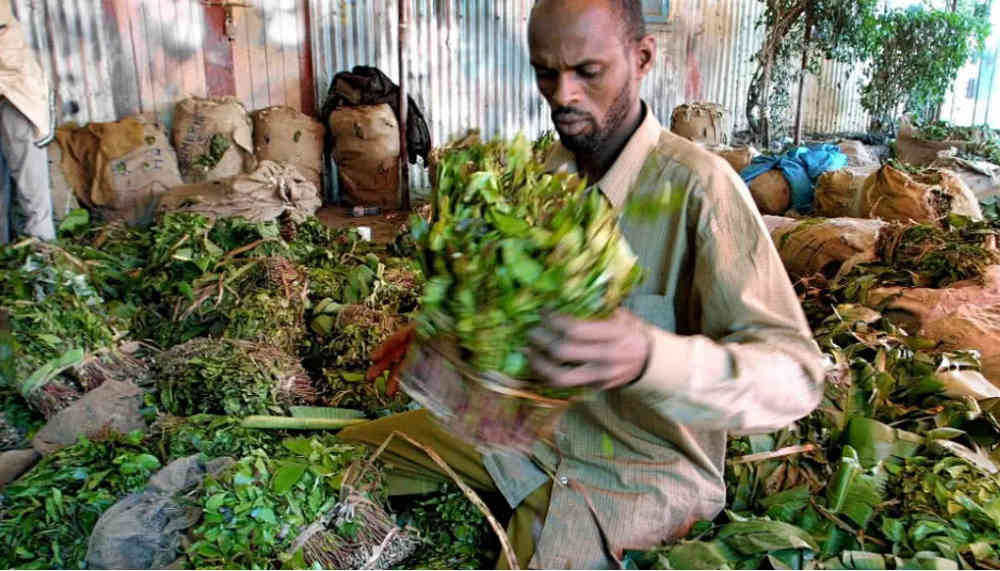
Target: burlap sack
(114, 404)
(200, 121)
(285, 135)
(838, 193)
(139, 178)
(965, 315)
(912, 149)
(263, 195)
(366, 149)
(701, 123)
(771, 193)
(739, 157)
(891, 194)
(982, 177)
(117, 169)
(823, 246)
(145, 530)
(857, 154)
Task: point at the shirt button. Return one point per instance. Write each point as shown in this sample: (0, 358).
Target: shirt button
(564, 480)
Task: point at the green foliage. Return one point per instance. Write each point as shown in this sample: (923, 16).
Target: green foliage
(835, 30)
(253, 511)
(914, 55)
(509, 242)
(225, 376)
(217, 147)
(456, 535)
(47, 515)
(211, 435)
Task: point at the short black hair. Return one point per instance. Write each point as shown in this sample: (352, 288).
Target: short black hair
(633, 22)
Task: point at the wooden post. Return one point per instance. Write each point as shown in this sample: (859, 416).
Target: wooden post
(404, 162)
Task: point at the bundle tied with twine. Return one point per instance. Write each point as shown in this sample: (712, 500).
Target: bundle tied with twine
(378, 543)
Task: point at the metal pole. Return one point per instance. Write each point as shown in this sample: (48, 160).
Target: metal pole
(404, 162)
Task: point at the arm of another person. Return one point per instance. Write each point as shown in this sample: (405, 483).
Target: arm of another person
(755, 366)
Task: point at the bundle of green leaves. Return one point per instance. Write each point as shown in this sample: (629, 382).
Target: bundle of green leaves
(507, 243)
(455, 533)
(253, 511)
(47, 515)
(231, 377)
(212, 435)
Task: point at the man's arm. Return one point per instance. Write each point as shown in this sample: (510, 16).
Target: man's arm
(755, 366)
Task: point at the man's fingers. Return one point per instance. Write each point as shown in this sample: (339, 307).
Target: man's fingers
(587, 331)
(560, 376)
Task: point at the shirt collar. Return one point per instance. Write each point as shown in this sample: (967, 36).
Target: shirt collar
(625, 170)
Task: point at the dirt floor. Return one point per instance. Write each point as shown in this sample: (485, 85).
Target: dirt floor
(384, 226)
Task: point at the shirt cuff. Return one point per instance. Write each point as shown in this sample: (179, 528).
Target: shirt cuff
(675, 365)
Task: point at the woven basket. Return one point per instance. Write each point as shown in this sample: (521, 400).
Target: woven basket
(489, 409)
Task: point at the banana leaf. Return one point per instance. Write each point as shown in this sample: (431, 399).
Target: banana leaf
(876, 442)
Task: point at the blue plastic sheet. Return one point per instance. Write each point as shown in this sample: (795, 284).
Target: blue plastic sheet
(801, 167)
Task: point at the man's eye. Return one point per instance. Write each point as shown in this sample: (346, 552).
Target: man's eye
(544, 73)
(589, 72)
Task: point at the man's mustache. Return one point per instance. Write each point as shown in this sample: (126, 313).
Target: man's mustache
(569, 114)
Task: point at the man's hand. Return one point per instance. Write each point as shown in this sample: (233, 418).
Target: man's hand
(604, 354)
(389, 356)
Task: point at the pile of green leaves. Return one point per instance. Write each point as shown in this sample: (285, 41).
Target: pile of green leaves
(455, 533)
(212, 435)
(253, 511)
(47, 515)
(225, 376)
(925, 255)
(507, 243)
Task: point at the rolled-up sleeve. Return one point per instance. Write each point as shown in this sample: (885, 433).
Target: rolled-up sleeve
(755, 366)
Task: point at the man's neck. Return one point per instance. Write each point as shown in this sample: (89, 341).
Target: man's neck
(595, 165)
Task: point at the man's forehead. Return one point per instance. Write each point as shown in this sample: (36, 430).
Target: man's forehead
(573, 30)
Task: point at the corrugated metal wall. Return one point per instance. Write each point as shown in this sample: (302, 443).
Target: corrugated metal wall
(468, 60)
(113, 58)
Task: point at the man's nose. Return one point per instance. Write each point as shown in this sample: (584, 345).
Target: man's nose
(566, 92)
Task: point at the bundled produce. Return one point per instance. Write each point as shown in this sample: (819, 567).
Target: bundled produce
(284, 134)
(285, 490)
(226, 376)
(824, 246)
(701, 122)
(982, 177)
(898, 193)
(508, 243)
(47, 515)
(213, 138)
(212, 435)
(455, 534)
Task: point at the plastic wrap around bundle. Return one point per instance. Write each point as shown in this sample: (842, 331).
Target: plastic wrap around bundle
(488, 409)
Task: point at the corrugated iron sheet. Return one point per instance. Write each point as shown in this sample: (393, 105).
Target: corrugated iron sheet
(468, 63)
(111, 58)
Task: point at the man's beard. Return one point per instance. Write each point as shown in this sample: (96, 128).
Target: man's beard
(589, 143)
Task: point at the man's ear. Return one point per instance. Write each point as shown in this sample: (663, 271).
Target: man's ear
(645, 50)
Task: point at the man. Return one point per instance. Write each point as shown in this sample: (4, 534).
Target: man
(24, 119)
(714, 341)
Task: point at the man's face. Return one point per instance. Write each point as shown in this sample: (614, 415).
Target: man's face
(585, 69)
